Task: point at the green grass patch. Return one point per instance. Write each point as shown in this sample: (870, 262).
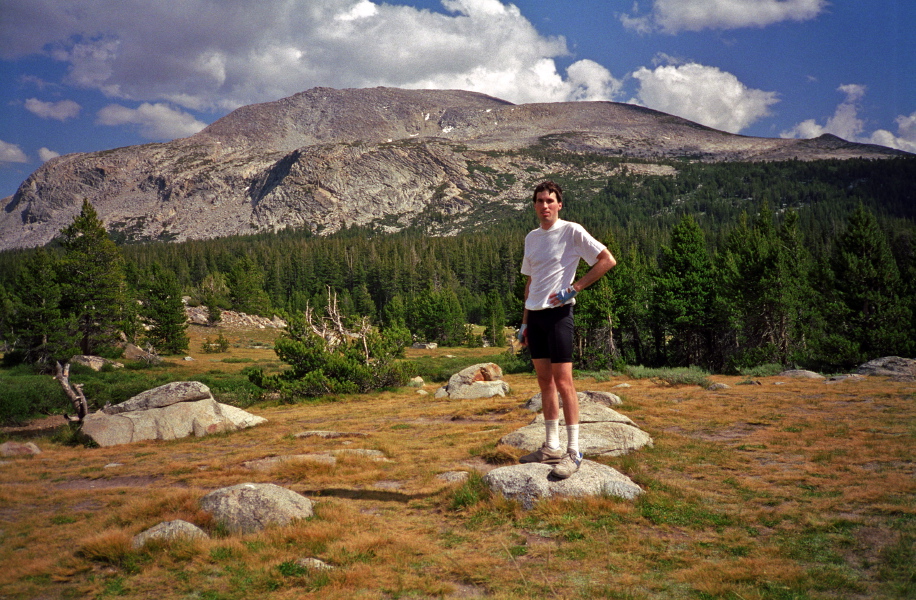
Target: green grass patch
(674, 377)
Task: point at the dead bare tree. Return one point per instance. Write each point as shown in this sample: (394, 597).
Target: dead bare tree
(74, 392)
(332, 328)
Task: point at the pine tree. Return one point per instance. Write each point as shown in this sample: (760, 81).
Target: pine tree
(683, 296)
(766, 291)
(164, 311)
(868, 284)
(93, 284)
(246, 287)
(42, 332)
(495, 320)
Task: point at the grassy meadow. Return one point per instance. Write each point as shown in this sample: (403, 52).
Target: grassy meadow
(772, 489)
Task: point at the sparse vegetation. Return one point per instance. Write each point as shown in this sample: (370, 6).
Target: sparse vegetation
(750, 496)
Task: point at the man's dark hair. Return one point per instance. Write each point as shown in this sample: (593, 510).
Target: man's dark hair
(550, 187)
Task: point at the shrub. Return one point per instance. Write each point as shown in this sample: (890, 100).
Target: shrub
(342, 363)
(675, 376)
(220, 344)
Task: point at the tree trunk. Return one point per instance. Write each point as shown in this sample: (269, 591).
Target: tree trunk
(74, 392)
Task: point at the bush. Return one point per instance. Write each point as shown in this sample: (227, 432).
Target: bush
(25, 392)
(345, 365)
(675, 376)
(220, 344)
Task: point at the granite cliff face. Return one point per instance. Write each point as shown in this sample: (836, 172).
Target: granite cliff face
(326, 159)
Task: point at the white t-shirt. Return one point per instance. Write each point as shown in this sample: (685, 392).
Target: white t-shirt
(551, 258)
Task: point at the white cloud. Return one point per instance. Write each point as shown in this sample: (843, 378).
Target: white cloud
(703, 94)
(45, 155)
(200, 54)
(846, 123)
(671, 16)
(11, 153)
(59, 111)
(156, 121)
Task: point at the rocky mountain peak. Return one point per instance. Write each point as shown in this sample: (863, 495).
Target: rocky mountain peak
(322, 159)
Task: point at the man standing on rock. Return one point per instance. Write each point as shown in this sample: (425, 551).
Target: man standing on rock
(552, 253)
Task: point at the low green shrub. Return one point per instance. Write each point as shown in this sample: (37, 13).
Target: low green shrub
(671, 376)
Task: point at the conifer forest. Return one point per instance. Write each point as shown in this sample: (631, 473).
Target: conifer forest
(722, 266)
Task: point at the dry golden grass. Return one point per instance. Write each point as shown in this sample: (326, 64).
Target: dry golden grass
(799, 490)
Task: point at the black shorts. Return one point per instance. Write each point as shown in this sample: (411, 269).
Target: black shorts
(550, 333)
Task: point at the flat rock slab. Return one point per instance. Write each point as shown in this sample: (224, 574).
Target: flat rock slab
(169, 531)
(252, 507)
(175, 421)
(531, 483)
(162, 396)
(889, 366)
(595, 439)
(801, 374)
(602, 432)
(536, 403)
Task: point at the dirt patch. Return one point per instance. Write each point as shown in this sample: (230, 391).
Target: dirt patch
(36, 428)
(114, 482)
(735, 432)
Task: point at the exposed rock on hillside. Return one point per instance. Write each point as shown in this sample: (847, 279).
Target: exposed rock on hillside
(326, 159)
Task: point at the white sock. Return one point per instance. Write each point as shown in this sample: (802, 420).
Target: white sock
(553, 432)
(572, 433)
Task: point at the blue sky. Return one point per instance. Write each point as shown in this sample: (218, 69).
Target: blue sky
(87, 75)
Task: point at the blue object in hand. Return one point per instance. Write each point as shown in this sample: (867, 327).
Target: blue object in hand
(521, 332)
(564, 296)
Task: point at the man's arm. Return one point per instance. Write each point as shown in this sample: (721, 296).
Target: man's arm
(605, 263)
(522, 334)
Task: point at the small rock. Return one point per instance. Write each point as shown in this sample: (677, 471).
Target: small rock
(168, 531)
(19, 449)
(622, 385)
(416, 382)
(313, 564)
(717, 386)
(454, 476)
(801, 374)
(840, 378)
(422, 393)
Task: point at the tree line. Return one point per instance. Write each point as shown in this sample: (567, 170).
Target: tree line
(722, 266)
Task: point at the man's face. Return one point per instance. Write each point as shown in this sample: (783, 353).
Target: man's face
(547, 208)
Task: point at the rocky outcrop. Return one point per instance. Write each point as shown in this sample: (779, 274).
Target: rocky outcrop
(530, 483)
(322, 158)
(251, 507)
(890, 366)
(169, 412)
(96, 363)
(483, 380)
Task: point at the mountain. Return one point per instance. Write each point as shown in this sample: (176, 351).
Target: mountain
(326, 159)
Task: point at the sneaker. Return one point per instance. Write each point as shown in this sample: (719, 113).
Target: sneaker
(568, 465)
(550, 456)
